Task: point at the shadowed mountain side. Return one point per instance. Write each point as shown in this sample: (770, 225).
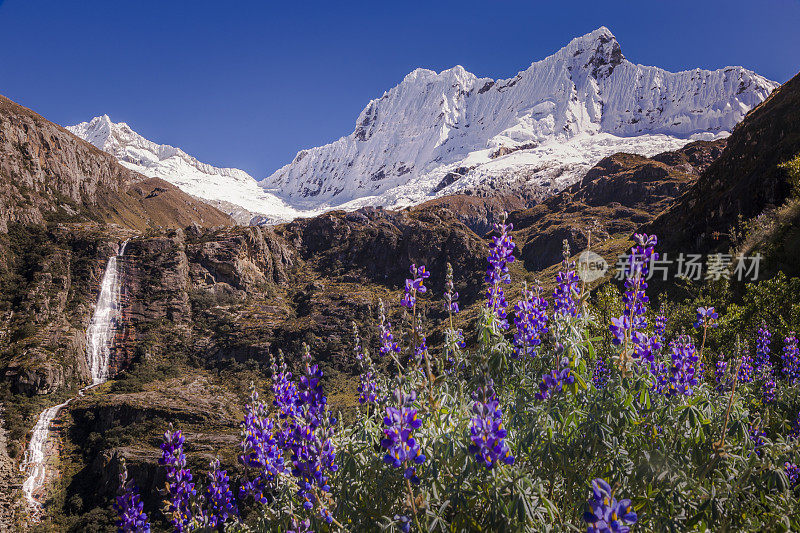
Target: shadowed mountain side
(750, 176)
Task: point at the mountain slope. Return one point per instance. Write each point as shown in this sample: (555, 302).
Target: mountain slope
(48, 174)
(437, 134)
(750, 176)
(229, 189)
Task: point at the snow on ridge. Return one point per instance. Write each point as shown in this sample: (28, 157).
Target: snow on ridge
(443, 133)
(231, 190)
(407, 142)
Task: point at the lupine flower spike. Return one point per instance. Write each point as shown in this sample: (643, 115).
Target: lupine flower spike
(486, 429)
(791, 359)
(180, 489)
(553, 382)
(450, 294)
(313, 455)
(600, 373)
(415, 286)
(628, 329)
(220, 499)
(683, 370)
(530, 319)
(567, 290)
(454, 338)
(262, 454)
(402, 449)
(501, 254)
(706, 318)
(389, 347)
(128, 504)
(368, 385)
(763, 367)
(606, 514)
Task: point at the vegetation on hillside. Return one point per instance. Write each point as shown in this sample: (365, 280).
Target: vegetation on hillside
(567, 412)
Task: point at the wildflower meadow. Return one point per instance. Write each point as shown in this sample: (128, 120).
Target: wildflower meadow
(532, 421)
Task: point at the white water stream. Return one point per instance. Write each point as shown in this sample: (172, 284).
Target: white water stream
(99, 341)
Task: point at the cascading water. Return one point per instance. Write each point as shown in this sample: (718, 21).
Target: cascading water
(99, 341)
(100, 335)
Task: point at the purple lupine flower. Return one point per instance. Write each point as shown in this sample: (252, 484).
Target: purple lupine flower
(221, 503)
(450, 294)
(261, 451)
(368, 385)
(129, 506)
(792, 472)
(501, 253)
(530, 319)
(567, 287)
(388, 346)
(791, 359)
(554, 381)
(404, 523)
(285, 399)
(486, 429)
(454, 338)
(367, 388)
(660, 326)
(402, 449)
(421, 350)
(721, 374)
(415, 285)
(313, 454)
(600, 373)
(757, 438)
(683, 370)
(762, 365)
(180, 488)
(300, 526)
(706, 318)
(763, 340)
(768, 388)
(746, 368)
(630, 326)
(606, 514)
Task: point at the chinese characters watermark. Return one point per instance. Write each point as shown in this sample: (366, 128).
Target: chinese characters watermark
(693, 267)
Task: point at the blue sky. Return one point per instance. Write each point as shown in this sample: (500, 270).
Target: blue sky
(249, 83)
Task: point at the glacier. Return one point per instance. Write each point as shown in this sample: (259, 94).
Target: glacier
(436, 134)
(442, 133)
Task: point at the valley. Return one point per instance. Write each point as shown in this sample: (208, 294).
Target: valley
(143, 291)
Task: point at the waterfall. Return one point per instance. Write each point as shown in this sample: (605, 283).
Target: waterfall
(100, 335)
(99, 342)
(34, 462)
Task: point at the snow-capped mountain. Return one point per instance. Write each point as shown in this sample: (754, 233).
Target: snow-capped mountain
(436, 134)
(231, 190)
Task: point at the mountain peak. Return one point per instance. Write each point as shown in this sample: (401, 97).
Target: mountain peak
(440, 133)
(598, 51)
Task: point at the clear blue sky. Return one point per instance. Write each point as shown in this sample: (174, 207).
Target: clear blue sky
(248, 83)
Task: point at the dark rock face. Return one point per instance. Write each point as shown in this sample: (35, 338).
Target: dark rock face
(245, 260)
(51, 283)
(546, 249)
(157, 279)
(379, 245)
(478, 213)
